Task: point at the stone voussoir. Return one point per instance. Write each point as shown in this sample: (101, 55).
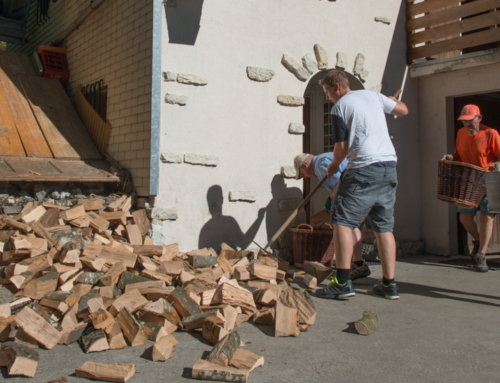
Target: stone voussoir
(164, 213)
(341, 60)
(295, 68)
(321, 56)
(359, 64)
(191, 79)
(295, 128)
(201, 159)
(309, 63)
(383, 19)
(175, 99)
(243, 195)
(290, 100)
(169, 76)
(288, 172)
(259, 74)
(172, 158)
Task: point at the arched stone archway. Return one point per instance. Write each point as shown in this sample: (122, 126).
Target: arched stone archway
(318, 134)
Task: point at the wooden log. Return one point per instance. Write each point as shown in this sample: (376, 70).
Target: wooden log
(129, 278)
(141, 219)
(108, 372)
(113, 274)
(132, 300)
(213, 331)
(132, 330)
(18, 225)
(146, 263)
(91, 204)
(41, 287)
(19, 359)
(98, 223)
(264, 285)
(182, 303)
(158, 276)
(234, 296)
(101, 319)
(227, 251)
(267, 260)
(38, 263)
(143, 287)
(15, 255)
(70, 257)
(6, 295)
(115, 218)
(92, 250)
(287, 321)
(73, 333)
(318, 270)
(113, 256)
(19, 304)
(6, 327)
(310, 281)
(68, 297)
(55, 305)
(115, 205)
(116, 340)
(134, 234)
(94, 340)
(263, 272)
(293, 299)
(149, 251)
(172, 267)
(207, 296)
(95, 264)
(224, 350)
(267, 297)
(81, 222)
(5, 310)
(36, 327)
(18, 243)
(154, 294)
(266, 315)
(368, 324)
(163, 349)
(25, 339)
(247, 360)
(21, 280)
(34, 215)
(161, 308)
(280, 275)
(73, 213)
(196, 321)
(201, 261)
(205, 370)
(44, 233)
(50, 218)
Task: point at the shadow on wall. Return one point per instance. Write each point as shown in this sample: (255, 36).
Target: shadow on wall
(183, 21)
(222, 228)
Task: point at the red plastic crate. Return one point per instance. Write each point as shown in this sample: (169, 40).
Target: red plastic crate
(55, 65)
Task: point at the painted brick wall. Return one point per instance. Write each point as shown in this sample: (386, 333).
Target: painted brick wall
(114, 44)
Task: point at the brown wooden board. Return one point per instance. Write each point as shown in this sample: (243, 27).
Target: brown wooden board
(12, 65)
(428, 6)
(61, 126)
(10, 144)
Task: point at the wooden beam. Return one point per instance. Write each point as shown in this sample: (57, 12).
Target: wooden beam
(428, 6)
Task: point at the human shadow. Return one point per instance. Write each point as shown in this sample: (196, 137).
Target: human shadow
(183, 21)
(274, 216)
(222, 228)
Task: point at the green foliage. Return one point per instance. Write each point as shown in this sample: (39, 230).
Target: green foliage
(2, 44)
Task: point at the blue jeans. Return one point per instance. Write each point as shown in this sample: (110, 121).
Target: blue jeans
(483, 208)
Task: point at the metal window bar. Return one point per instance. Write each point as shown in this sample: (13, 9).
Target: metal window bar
(96, 95)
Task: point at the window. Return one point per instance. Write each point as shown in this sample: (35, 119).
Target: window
(327, 127)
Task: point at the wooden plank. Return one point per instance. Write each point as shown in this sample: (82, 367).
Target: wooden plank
(134, 235)
(452, 14)
(479, 38)
(63, 129)
(10, 144)
(11, 66)
(453, 29)
(141, 219)
(428, 6)
(108, 372)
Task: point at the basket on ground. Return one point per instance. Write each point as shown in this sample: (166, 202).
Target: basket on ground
(314, 245)
(460, 183)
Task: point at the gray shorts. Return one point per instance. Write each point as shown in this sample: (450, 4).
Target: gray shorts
(483, 207)
(368, 192)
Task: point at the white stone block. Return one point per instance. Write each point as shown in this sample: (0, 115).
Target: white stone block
(341, 60)
(382, 19)
(321, 56)
(363, 75)
(259, 74)
(289, 204)
(288, 172)
(294, 67)
(359, 64)
(169, 76)
(201, 159)
(191, 79)
(309, 63)
(163, 213)
(290, 100)
(243, 195)
(172, 158)
(295, 128)
(175, 99)
(158, 234)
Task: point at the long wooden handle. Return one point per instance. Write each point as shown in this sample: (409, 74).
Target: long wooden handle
(295, 212)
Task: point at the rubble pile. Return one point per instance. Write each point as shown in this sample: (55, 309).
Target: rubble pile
(86, 274)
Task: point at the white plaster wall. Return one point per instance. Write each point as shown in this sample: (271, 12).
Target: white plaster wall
(436, 95)
(239, 120)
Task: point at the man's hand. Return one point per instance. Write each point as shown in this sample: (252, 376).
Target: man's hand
(448, 157)
(496, 165)
(332, 169)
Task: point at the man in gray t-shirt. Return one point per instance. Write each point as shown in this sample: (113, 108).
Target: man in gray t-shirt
(367, 188)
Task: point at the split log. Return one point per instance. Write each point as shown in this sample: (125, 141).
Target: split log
(15, 255)
(16, 243)
(144, 287)
(265, 316)
(303, 327)
(263, 272)
(225, 265)
(101, 319)
(25, 339)
(68, 297)
(280, 275)
(247, 360)
(164, 348)
(54, 305)
(36, 327)
(234, 296)
(267, 297)
(172, 267)
(21, 280)
(115, 205)
(132, 330)
(202, 261)
(98, 223)
(132, 300)
(113, 274)
(224, 350)
(146, 263)
(227, 251)
(149, 251)
(95, 263)
(134, 234)
(81, 222)
(368, 324)
(94, 340)
(41, 287)
(141, 219)
(6, 295)
(73, 213)
(18, 225)
(310, 281)
(154, 294)
(264, 285)
(318, 270)
(92, 250)
(108, 372)
(196, 321)
(19, 304)
(50, 218)
(267, 260)
(242, 273)
(182, 303)
(115, 218)
(213, 331)
(6, 327)
(163, 309)
(171, 251)
(153, 331)
(287, 321)
(293, 299)
(116, 340)
(5, 310)
(91, 204)
(19, 359)
(14, 269)
(157, 276)
(73, 333)
(128, 278)
(207, 296)
(44, 233)
(205, 370)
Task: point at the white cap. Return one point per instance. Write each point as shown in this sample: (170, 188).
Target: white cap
(298, 161)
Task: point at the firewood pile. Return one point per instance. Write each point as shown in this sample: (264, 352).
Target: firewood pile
(78, 274)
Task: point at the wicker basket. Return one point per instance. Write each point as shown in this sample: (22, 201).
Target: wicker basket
(460, 183)
(314, 245)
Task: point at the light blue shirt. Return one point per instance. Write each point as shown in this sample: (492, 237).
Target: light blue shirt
(320, 164)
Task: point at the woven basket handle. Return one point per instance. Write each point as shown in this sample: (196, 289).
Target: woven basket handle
(306, 225)
(329, 226)
(495, 167)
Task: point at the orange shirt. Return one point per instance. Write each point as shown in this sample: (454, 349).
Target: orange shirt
(481, 149)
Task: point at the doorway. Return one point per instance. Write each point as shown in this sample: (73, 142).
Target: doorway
(318, 136)
(489, 105)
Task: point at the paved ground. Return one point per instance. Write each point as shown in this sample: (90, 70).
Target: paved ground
(445, 328)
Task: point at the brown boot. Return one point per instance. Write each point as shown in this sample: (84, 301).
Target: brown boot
(481, 265)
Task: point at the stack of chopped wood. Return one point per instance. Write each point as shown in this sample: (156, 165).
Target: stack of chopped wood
(77, 274)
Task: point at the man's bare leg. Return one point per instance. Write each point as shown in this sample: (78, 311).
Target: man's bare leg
(470, 225)
(358, 245)
(485, 231)
(343, 244)
(387, 252)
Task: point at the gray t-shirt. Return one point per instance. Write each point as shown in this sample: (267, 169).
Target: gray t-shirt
(359, 117)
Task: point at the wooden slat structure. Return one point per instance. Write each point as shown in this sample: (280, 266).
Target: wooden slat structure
(435, 27)
(98, 129)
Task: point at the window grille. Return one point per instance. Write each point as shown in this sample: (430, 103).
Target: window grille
(327, 127)
(97, 95)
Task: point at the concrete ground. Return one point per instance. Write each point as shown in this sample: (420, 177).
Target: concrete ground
(444, 328)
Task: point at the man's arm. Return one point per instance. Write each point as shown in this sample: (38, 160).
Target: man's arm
(339, 153)
(400, 110)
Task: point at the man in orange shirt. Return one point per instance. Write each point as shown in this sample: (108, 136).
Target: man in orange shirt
(478, 145)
